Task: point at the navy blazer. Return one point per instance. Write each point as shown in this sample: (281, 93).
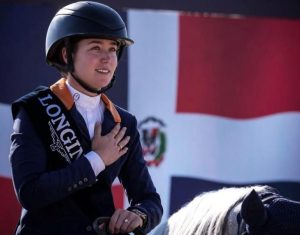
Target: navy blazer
(66, 201)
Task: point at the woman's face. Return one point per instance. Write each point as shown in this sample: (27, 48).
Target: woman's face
(95, 61)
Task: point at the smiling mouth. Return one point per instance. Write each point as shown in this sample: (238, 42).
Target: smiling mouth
(102, 71)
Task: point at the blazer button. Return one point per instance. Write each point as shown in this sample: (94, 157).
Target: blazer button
(80, 182)
(70, 189)
(75, 186)
(89, 228)
(85, 180)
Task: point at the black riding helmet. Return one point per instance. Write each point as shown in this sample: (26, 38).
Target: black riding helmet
(81, 20)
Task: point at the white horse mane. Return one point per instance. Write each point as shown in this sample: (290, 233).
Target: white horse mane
(207, 213)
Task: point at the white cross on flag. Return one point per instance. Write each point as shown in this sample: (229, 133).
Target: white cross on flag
(227, 89)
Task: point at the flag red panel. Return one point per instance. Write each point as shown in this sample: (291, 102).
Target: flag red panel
(118, 195)
(238, 67)
(10, 208)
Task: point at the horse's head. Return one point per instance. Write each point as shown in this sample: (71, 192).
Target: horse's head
(253, 210)
(268, 212)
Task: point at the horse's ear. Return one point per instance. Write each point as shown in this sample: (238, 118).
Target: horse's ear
(253, 211)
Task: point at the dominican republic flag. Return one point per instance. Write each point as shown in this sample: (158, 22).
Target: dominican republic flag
(216, 96)
(224, 90)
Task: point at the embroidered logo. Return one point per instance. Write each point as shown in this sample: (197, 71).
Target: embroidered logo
(153, 140)
(56, 144)
(64, 139)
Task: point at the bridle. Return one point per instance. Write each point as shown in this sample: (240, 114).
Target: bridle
(242, 226)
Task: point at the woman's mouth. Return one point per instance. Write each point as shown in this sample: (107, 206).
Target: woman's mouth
(102, 71)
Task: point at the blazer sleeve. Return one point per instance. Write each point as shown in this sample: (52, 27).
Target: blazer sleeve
(137, 181)
(35, 186)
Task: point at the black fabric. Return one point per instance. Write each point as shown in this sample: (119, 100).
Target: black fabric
(82, 199)
(283, 217)
(43, 125)
(68, 199)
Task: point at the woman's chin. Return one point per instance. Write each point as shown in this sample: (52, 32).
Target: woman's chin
(102, 83)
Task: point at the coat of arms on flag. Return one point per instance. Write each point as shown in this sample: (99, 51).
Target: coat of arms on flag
(153, 140)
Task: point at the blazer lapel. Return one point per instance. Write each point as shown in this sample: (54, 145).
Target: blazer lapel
(108, 122)
(111, 115)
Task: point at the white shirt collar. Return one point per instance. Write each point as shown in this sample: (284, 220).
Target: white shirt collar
(82, 100)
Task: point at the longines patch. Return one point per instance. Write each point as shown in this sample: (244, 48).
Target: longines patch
(64, 139)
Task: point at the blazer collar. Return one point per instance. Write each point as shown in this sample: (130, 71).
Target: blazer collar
(61, 90)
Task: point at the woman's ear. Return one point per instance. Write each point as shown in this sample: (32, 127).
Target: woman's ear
(64, 55)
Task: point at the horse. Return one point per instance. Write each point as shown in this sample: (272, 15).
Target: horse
(253, 210)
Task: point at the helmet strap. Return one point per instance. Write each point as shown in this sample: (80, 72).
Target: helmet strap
(89, 88)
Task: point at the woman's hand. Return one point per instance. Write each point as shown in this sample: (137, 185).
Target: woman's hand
(112, 146)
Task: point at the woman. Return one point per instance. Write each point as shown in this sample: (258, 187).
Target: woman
(70, 141)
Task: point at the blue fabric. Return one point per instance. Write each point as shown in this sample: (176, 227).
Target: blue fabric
(282, 215)
(67, 200)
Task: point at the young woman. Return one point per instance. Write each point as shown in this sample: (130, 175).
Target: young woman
(70, 141)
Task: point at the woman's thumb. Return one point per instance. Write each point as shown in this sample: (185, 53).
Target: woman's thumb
(98, 129)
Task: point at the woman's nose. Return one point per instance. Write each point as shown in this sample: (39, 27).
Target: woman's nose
(105, 56)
